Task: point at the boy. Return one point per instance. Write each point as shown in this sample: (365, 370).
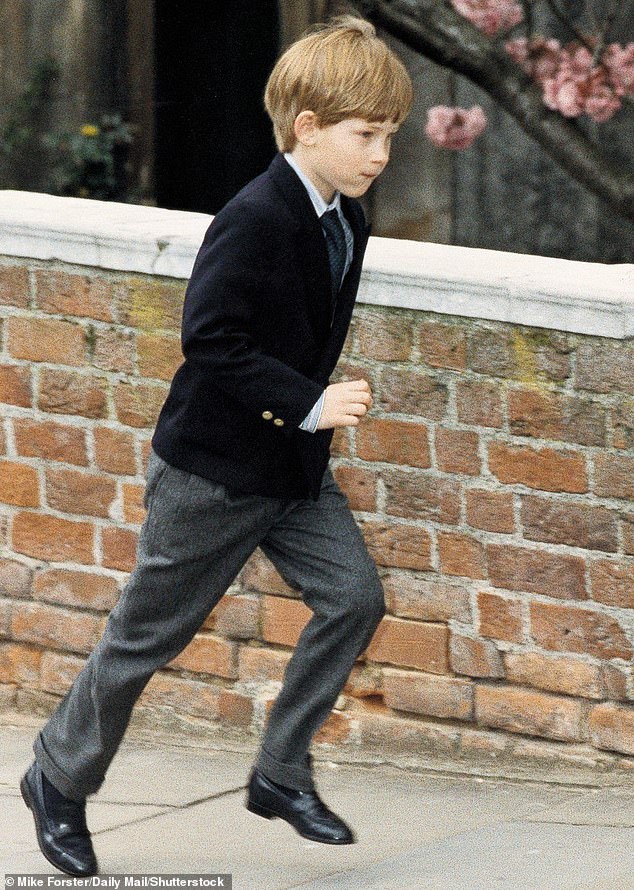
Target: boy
(240, 451)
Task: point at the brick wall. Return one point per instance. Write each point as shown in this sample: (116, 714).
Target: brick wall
(492, 479)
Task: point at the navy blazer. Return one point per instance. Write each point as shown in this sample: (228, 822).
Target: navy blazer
(257, 342)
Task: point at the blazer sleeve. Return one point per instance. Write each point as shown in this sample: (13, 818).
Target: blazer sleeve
(221, 315)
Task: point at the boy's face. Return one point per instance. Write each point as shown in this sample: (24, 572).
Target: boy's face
(345, 157)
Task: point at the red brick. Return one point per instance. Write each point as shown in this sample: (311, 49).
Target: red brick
(151, 303)
(19, 484)
(416, 644)
(538, 571)
(207, 654)
(490, 510)
(474, 658)
(561, 522)
(573, 629)
(529, 712)
(46, 340)
(479, 403)
(380, 729)
(73, 491)
(261, 575)
(234, 708)
(50, 441)
(614, 476)
(49, 538)
(445, 697)
(409, 392)
(236, 616)
(398, 545)
(443, 345)
(491, 352)
(138, 405)
(114, 451)
(364, 680)
(457, 451)
(59, 628)
(133, 505)
(70, 588)
(605, 366)
(500, 617)
(550, 415)
(68, 294)
(554, 673)
(359, 486)
(335, 730)
(15, 385)
(622, 422)
(424, 599)
(67, 392)
(543, 468)
(114, 350)
(340, 446)
(15, 579)
(59, 672)
(119, 548)
(383, 336)
(283, 620)
(19, 664)
(393, 441)
(159, 356)
(461, 555)
(417, 495)
(14, 286)
(259, 663)
(192, 697)
(612, 727)
(613, 583)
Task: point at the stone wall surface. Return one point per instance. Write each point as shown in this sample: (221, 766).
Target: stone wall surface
(493, 481)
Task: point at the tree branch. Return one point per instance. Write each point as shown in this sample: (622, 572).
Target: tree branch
(434, 29)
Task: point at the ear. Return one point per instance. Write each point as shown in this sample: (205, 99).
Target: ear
(306, 127)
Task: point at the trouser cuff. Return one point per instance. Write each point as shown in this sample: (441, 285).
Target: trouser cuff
(291, 775)
(54, 774)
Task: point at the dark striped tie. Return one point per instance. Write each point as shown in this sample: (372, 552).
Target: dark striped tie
(337, 251)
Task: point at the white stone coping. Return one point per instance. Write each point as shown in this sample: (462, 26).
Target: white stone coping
(587, 298)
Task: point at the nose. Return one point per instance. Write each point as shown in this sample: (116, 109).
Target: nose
(381, 155)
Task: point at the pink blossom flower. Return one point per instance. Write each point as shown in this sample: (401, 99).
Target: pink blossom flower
(619, 60)
(572, 83)
(454, 128)
(490, 16)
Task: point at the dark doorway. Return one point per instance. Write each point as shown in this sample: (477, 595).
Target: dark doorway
(213, 58)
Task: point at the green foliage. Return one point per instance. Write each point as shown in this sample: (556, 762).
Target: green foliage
(91, 162)
(87, 163)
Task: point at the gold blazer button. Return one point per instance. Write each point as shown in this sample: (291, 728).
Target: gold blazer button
(278, 422)
(267, 415)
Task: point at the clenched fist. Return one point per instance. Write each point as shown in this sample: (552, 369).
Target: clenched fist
(345, 404)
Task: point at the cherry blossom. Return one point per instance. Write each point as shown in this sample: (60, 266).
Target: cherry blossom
(490, 16)
(454, 128)
(573, 82)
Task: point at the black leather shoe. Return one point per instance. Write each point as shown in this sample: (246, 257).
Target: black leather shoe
(304, 810)
(60, 825)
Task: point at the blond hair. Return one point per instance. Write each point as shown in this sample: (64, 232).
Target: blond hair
(338, 70)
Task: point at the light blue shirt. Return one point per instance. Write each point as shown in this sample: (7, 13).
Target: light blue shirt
(310, 422)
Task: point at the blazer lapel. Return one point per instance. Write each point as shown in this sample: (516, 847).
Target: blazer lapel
(316, 268)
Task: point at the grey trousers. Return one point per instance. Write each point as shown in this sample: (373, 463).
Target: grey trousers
(195, 539)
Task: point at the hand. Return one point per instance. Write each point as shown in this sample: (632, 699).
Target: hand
(345, 404)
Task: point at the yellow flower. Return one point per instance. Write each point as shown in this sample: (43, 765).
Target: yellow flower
(89, 130)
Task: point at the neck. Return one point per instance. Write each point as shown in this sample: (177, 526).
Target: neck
(302, 158)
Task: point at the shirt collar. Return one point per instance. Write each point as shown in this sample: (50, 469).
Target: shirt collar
(318, 202)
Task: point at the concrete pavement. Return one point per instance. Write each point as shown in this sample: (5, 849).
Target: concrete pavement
(169, 809)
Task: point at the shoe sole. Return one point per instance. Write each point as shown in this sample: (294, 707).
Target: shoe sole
(259, 810)
(25, 791)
